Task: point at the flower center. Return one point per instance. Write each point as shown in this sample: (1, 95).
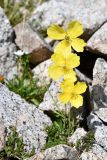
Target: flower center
(67, 38)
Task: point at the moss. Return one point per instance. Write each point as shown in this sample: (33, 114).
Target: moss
(25, 85)
(86, 143)
(61, 128)
(14, 147)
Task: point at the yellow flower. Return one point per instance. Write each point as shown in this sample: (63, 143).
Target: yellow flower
(69, 37)
(63, 65)
(71, 93)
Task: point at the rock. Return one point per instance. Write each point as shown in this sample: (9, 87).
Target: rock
(6, 31)
(99, 84)
(83, 77)
(2, 135)
(96, 153)
(101, 136)
(61, 12)
(40, 72)
(30, 42)
(8, 67)
(79, 134)
(7, 48)
(89, 156)
(94, 122)
(98, 42)
(102, 114)
(29, 121)
(58, 152)
(99, 151)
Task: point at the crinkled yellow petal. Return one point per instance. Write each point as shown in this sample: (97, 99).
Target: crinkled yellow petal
(55, 72)
(58, 59)
(80, 88)
(76, 101)
(75, 29)
(63, 47)
(67, 85)
(72, 61)
(56, 32)
(78, 44)
(64, 97)
(70, 74)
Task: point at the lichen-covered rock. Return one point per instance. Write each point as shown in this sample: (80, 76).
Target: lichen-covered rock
(79, 134)
(7, 48)
(99, 84)
(30, 42)
(29, 121)
(61, 12)
(40, 72)
(58, 152)
(98, 42)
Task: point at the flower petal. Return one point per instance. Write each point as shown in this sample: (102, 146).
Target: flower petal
(72, 61)
(76, 101)
(67, 85)
(55, 72)
(80, 88)
(64, 97)
(70, 74)
(63, 47)
(78, 44)
(75, 29)
(58, 59)
(56, 32)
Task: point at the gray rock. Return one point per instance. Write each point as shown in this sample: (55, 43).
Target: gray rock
(61, 12)
(99, 84)
(102, 114)
(2, 135)
(40, 72)
(99, 151)
(94, 122)
(101, 136)
(58, 152)
(29, 121)
(96, 153)
(89, 156)
(30, 42)
(8, 67)
(98, 42)
(6, 31)
(79, 134)
(7, 48)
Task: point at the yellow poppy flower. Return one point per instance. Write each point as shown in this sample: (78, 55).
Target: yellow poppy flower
(71, 93)
(69, 37)
(63, 65)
